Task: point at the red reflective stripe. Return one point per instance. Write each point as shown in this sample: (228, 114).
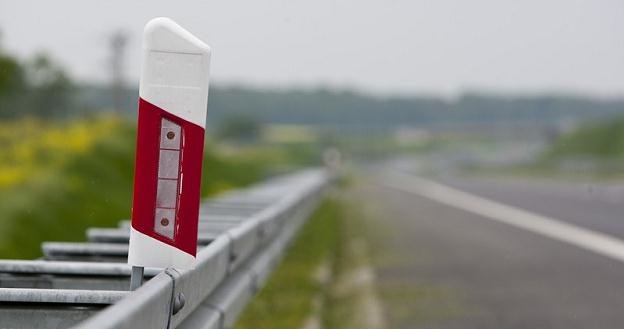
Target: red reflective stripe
(146, 177)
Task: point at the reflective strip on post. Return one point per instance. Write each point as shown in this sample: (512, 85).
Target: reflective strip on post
(170, 142)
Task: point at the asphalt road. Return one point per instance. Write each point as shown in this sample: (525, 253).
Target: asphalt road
(596, 206)
(439, 266)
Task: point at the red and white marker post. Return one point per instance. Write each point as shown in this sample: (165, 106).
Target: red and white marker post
(173, 98)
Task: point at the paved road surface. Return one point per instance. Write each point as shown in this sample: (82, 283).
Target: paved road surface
(595, 206)
(442, 267)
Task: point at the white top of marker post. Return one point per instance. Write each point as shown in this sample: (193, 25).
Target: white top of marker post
(174, 72)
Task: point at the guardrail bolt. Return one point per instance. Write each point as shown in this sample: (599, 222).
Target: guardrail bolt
(178, 303)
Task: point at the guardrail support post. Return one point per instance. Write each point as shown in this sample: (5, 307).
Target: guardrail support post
(136, 278)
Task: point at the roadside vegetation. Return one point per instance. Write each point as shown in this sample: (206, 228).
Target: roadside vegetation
(593, 150)
(600, 141)
(59, 177)
(288, 298)
(319, 283)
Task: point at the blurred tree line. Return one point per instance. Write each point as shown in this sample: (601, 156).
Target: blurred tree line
(351, 110)
(36, 87)
(39, 87)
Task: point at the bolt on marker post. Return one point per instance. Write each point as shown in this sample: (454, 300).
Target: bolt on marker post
(173, 99)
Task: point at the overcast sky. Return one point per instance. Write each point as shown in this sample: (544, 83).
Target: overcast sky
(384, 46)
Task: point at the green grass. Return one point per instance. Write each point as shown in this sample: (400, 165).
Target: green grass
(287, 299)
(604, 139)
(342, 308)
(59, 178)
(595, 150)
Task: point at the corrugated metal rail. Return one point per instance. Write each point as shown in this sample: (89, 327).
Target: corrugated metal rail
(242, 236)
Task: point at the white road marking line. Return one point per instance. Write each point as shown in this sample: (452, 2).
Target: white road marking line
(600, 243)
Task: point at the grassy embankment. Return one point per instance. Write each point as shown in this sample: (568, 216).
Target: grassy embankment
(288, 297)
(596, 145)
(58, 178)
(315, 279)
(593, 150)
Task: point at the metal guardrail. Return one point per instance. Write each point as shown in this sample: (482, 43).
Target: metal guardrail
(242, 237)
